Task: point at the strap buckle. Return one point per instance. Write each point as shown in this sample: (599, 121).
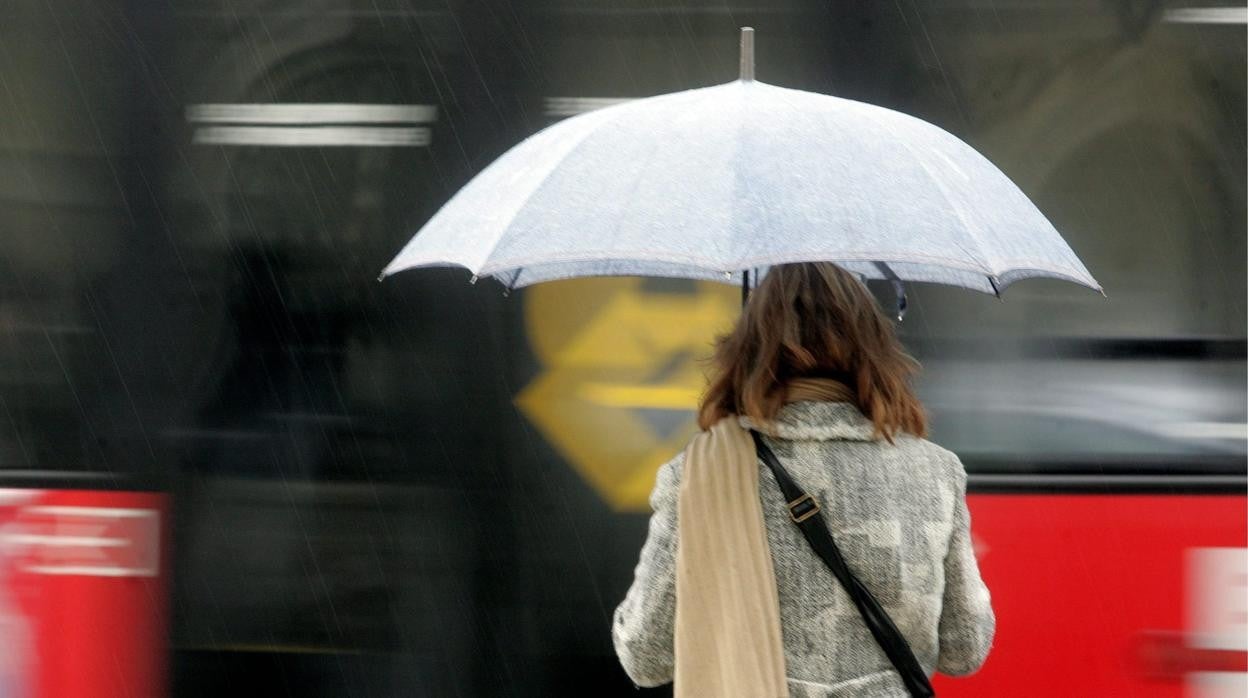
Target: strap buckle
(803, 508)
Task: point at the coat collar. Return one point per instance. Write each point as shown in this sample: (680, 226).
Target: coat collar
(809, 420)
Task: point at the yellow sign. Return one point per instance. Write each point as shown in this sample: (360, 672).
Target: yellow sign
(624, 366)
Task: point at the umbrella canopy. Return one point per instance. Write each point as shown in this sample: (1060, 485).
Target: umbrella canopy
(710, 183)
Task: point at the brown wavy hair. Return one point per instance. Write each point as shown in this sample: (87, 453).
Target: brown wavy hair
(813, 320)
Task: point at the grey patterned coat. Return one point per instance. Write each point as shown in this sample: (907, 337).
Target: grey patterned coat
(897, 512)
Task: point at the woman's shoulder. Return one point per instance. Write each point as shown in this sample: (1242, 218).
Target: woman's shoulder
(928, 447)
(918, 447)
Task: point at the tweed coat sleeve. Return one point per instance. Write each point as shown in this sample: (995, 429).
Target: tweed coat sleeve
(643, 627)
(967, 621)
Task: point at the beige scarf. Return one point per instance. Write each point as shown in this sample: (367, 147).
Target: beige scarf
(727, 635)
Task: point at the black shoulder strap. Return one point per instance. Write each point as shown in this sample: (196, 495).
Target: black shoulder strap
(804, 511)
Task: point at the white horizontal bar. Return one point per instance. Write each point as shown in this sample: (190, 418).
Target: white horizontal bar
(113, 513)
(313, 113)
(1208, 15)
(10, 496)
(67, 541)
(91, 571)
(287, 136)
(571, 106)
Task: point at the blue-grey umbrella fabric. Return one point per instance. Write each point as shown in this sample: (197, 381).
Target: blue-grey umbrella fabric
(706, 183)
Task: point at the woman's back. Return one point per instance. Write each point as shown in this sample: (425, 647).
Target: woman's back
(818, 369)
(897, 513)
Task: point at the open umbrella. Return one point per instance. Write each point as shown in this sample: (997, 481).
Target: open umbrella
(711, 183)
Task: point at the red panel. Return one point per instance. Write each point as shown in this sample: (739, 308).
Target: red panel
(1081, 582)
(86, 570)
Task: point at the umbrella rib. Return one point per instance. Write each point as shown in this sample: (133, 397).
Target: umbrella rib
(606, 116)
(899, 289)
(938, 183)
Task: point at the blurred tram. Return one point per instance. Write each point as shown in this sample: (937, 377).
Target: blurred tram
(1121, 570)
(232, 463)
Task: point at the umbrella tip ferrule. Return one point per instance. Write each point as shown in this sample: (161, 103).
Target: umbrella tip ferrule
(473, 280)
(747, 54)
(381, 277)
